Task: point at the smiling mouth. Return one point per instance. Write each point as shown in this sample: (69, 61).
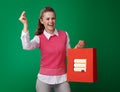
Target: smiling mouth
(50, 25)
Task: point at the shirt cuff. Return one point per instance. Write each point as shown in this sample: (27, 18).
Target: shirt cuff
(24, 34)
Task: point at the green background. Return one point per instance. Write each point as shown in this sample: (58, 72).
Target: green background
(96, 21)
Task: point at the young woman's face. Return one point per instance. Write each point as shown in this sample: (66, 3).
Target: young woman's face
(48, 20)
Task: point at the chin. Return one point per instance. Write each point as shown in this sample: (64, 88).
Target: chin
(52, 29)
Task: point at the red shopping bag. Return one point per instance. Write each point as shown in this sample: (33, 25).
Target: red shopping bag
(82, 66)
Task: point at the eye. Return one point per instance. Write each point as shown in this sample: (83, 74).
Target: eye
(47, 18)
(53, 18)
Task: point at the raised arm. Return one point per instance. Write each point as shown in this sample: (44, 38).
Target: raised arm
(26, 42)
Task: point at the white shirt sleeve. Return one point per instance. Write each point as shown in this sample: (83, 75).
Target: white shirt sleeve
(27, 43)
(68, 42)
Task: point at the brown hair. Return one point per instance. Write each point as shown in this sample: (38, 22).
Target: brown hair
(40, 27)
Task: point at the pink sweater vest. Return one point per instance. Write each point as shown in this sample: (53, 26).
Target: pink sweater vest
(53, 54)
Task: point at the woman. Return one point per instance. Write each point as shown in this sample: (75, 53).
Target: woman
(53, 45)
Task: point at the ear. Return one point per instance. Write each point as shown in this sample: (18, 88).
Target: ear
(41, 20)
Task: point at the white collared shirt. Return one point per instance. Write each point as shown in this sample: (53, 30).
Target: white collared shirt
(34, 43)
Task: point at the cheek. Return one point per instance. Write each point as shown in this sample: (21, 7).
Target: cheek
(54, 21)
(45, 22)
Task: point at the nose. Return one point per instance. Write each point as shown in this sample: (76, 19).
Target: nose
(51, 20)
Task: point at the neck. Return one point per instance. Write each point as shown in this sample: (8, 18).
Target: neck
(50, 31)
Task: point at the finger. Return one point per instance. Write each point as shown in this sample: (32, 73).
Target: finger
(23, 16)
(81, 41)
(22, 19)
(24, 13)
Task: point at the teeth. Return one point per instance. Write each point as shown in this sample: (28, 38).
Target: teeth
(50, 25)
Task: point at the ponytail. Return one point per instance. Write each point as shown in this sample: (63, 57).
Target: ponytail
(40, 28)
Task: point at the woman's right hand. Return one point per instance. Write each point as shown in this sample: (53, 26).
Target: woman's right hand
(23, 18)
